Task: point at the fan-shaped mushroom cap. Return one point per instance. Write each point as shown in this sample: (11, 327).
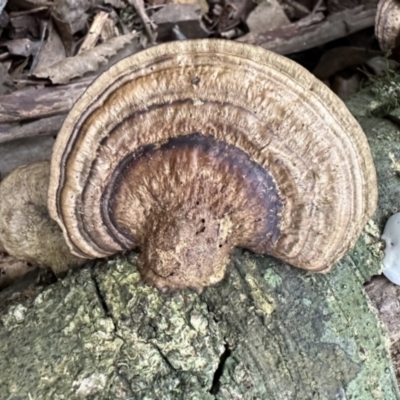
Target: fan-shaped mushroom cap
(191, 148)
(26, 230)
(387, 24)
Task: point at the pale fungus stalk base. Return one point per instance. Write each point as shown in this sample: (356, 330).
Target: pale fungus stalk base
(27, 232)
(252, 136)
(184, 250)
(192, 205)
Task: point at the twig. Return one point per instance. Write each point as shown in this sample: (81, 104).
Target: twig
(44, 29)
(32, 103)
(94, 31)
(149, 26)
(41, 127)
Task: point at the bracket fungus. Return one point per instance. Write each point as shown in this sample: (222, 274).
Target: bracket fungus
(387, 24)
(189, 149)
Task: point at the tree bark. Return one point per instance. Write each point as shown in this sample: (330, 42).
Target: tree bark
(269, 331)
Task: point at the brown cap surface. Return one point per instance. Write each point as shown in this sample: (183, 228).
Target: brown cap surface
(387, 24)
(191, 148)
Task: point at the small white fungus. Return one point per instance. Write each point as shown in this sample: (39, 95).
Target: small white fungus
(391, 261)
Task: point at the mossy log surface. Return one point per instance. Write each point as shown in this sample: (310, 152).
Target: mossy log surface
(268, 331)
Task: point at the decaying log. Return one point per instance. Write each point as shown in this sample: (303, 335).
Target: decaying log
(40, 127)
(385, 297)
(40, 111)
(299, 36)
(28, 120)
(34, 103)
(268, 331)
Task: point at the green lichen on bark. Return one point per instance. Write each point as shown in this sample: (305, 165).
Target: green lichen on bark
(59, 345)
(268, 331)
(103, 334)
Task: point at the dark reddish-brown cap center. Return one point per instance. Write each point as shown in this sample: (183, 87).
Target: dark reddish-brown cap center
(187, 202)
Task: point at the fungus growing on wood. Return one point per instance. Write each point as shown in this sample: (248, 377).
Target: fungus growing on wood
(192, 148)
(26, 230)
(387, 24)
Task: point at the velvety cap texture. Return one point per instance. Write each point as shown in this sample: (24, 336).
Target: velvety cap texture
(191, 148)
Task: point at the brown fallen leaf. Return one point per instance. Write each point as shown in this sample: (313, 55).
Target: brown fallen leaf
(70, 16)
(22, 26)
(18, 67)
(233, 12)
(72, 12)
(72, 67)
(269, 14)
(296, 10)
(6, 84)
(52, 51)
(22, 47)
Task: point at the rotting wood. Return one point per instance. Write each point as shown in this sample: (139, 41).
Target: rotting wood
(21, 111)
(296, 37)
(23, 107)
(34, 103)
(385, 297)
(40, 127)
(268, 331)
(384, 137)
(94, 31)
